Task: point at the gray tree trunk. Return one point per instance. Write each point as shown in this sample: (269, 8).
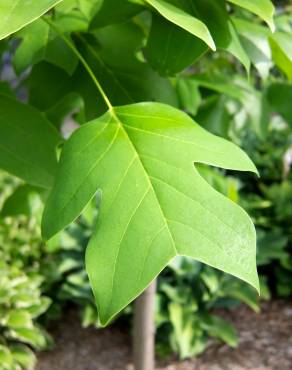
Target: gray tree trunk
(144, 330)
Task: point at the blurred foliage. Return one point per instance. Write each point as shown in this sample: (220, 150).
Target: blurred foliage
(268, 200)
(22, 300)
(37, 281)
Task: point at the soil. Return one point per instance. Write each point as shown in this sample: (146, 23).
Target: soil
(265, 344)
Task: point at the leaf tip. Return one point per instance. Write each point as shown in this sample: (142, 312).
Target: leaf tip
(270, 22)
(212, 44)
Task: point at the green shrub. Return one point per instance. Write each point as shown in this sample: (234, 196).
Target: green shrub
(268, 200)
(22, 300)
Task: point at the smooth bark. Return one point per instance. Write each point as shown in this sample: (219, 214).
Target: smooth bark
(144, 330)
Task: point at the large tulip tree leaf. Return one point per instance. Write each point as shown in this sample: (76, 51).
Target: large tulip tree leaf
(27, 143)
(154, 206)
(263, 8)
(15, 14)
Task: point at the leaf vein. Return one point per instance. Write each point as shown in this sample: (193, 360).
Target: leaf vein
(199, 203)
(91, 170)
(122, 238)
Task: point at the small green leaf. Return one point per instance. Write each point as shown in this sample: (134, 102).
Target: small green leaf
(33, 336)
(142, 159)
(18, 319)
(164, 57)
(168, 59)
(24, 356)
(114, 11)
(27, 143)
(40, 42)
(280, 97)
(183, 20)
(187, 337)
(214, 14)
(15, 14)
(34, 39)
(281, 46)
(263, 8)
(221, 329)
(255, 40)
(112, 54)
(25, 200)
(6, 358)
(189, 95)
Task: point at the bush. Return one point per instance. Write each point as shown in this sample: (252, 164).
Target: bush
(22, 299)
(267, 199)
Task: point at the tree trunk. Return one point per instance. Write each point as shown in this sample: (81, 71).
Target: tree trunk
(144, 330)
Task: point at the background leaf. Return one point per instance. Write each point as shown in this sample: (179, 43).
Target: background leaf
(263, 8)
(27, 143)
(183, 20)
(15, 14)
(114, 11)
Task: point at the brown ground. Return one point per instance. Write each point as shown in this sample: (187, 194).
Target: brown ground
(265, 344)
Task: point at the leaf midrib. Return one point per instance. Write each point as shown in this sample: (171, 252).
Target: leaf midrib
(116, 118)
(150, 187)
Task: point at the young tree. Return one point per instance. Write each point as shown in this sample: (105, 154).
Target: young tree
(113, 61)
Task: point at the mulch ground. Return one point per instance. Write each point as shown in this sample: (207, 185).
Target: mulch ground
(265, 344)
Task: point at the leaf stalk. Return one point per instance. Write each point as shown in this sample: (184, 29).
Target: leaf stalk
(70, 44)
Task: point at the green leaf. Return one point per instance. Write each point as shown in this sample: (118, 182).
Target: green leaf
(189, 95)
(24, 356)
(263, 8)
(114, 11)
(168, 59)
(33, 336)
(165, 57)
(27, 143)
(25, 200)
(6, 358)
(18, 319)
(214, 116)
(15, 14)
(214, 14)
(40, 307)
(89, 8)
(243, 293)
(40, 42)
(142, 159)
(125, 78)
(254, 103)
(280, 97)
(31, 49)
(255, 40)
(221, 329)
(112, 55)
(187, 337)
(183, 20)
(281, 46)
